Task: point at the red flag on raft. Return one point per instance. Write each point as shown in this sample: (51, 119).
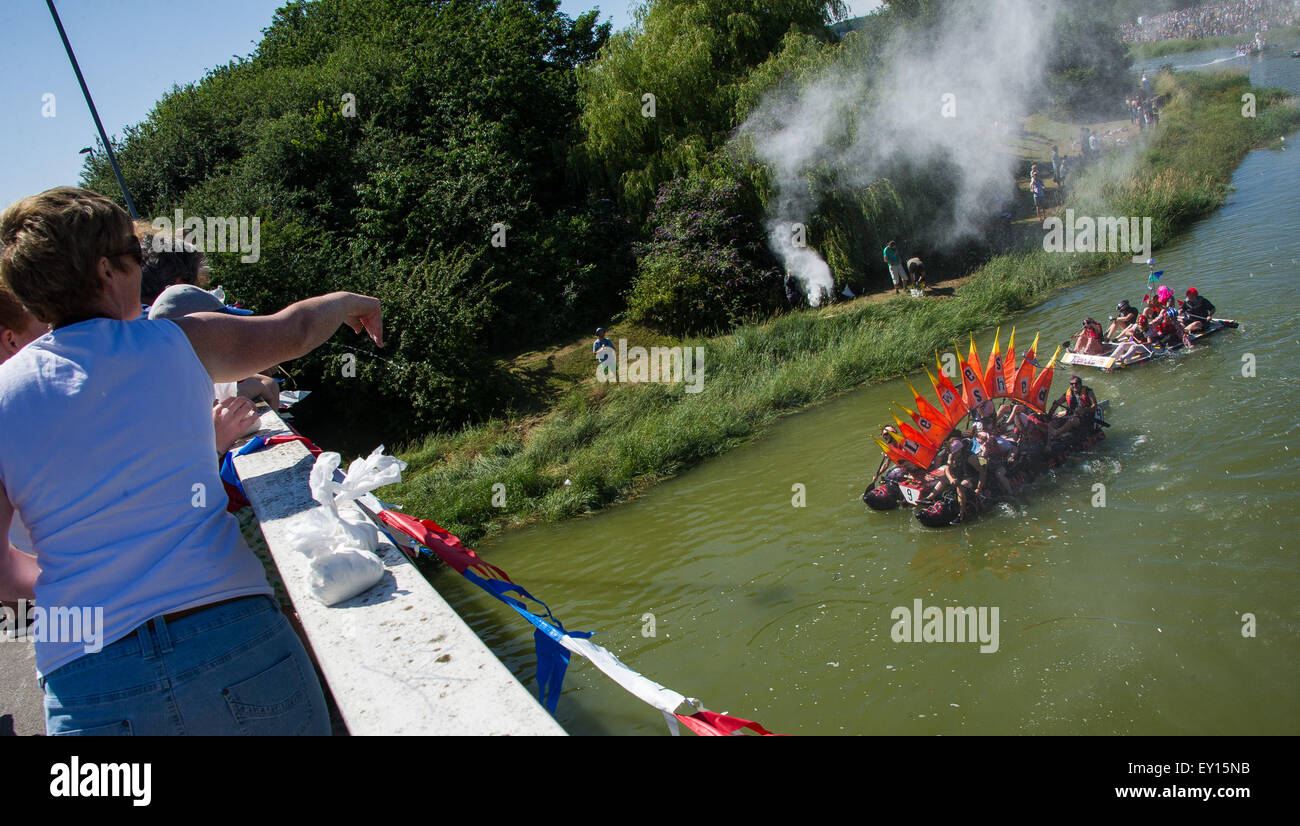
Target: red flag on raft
(953, 407)
(995, 380)
(929, 438)
(909, 449)
(973, 390)
(1043, 384)
(933, 417)
(1023, 383)
(1009, 364)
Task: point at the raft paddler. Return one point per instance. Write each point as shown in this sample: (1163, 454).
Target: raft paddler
(1030, 429)
(994, 453)
(1134, 336)
(1165, 330)
(1165, 301)
(958, 471)
(1198, 311)
(1080, 405)
(1089, 341)
(886, 436)
(1125, 315)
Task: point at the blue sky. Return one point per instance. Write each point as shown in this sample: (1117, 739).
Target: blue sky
(131, 53)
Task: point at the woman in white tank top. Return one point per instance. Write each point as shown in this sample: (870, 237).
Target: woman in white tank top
(108, 431)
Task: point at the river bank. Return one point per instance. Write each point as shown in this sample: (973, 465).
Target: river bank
(1161, 48)
(605, 443)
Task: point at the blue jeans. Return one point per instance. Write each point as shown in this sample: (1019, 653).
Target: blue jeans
(236, 668)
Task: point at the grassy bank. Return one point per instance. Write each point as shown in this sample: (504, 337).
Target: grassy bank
(611, 441)
(1161, 48)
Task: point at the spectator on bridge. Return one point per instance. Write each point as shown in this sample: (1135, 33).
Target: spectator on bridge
(107, 453)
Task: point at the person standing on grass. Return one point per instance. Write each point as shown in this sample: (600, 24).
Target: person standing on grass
(895, 264)
(1039, 192)
(601, 341)
(1056, 165)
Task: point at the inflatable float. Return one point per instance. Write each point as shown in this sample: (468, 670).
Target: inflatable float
(917, 450)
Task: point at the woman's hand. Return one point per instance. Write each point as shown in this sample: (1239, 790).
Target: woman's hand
(263, 386)
(367, 315)
(232, 419)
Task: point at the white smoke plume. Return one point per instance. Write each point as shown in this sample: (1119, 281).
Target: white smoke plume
(957, 97)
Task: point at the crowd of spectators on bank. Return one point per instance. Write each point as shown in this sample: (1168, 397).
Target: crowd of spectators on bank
(1239, 17)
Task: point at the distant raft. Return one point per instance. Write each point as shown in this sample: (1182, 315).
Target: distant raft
(1142, 353)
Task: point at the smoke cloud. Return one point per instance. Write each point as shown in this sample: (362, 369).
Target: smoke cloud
(950, 103)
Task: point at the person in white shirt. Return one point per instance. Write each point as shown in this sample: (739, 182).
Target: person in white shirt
(106, 422)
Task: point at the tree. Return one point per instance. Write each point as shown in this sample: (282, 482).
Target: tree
(662, 95)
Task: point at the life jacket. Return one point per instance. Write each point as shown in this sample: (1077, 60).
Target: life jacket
(961, 463)
(1198, 307)
(1033, 431)
(1074, 401)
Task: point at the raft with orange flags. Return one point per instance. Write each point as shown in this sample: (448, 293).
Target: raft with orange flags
(918, 442)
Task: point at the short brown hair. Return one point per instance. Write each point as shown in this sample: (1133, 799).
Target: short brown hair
(13, 315)
(50, 244)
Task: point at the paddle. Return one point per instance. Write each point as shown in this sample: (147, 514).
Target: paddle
(884, 461)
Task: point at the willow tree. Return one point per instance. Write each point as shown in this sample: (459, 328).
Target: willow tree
(662, 94)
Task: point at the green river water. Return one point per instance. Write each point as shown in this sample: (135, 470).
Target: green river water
(1120, 619)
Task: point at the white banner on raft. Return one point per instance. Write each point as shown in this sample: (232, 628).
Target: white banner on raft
(1104, 362)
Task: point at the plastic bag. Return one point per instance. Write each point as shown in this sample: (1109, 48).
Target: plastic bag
(337, 537)
(343, 573)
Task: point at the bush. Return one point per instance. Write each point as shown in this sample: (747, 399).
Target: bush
(707, 265)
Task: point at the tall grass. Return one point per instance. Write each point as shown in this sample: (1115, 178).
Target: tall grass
(611, 441)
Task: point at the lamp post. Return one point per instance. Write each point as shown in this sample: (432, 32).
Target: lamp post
(108, 148)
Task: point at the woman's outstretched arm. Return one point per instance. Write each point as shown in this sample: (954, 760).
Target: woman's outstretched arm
(235, 347)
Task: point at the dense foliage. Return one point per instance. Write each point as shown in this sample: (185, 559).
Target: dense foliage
(1088, 73)
(491, 171)
(661, 97)
(385, 145)
(707, 265)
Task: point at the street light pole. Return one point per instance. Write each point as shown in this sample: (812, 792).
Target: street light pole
(108, 148)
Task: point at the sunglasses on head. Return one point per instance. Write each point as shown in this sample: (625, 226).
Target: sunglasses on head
(132, 248)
